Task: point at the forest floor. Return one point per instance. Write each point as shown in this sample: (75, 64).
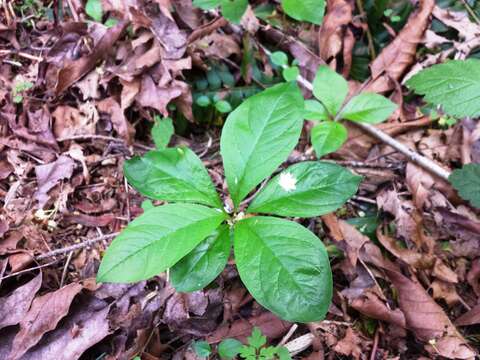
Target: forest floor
(79, 96)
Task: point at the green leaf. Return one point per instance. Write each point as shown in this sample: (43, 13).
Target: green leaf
(259, 135)
(248, 353)
(202, 349)
(172, 174)
(229, 348)
(223, 106)
(162, 131)
(467, 182)
(201, 266)
(157, 240)
(305, 10)
(368, 108)
(285, 267)
(314, 110)
(257, 340)
(206, 4)
(203, 101)
(307, 189)
(147, 205)
(283, 353)
(279, 58)
(328, 137)
(291, 73)
(330, 88)
(233, 10)
(455, 85)
(93, 8)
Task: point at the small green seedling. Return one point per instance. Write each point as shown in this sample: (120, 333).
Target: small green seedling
(284, 265)
(331, 105)
(289, 72)
(19, 89)
(255, 349)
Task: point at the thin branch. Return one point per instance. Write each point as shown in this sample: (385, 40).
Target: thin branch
(71, 248)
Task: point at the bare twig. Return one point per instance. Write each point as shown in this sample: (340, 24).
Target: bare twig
(71, 248)
(89, 137)
(28, 270)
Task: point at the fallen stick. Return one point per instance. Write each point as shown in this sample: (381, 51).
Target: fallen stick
(78, 246)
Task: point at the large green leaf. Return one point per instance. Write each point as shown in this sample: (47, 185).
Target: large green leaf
(328, 137)
(285, 267)
(174, 174)
(305, 10)
(157, 240)
(259, 135)
(368, 108)
(200, 267)
(467, 182)
(307, 189)
(330, 88)
(233, 10)
(455, 85)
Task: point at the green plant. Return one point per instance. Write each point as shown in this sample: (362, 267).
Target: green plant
(233, 10)
(192, 235)
(290, 73)
(331, 90)
(94, 9)
(454, 85)
(467, 182)
(306, 10)
(19, 88)
(255, 349)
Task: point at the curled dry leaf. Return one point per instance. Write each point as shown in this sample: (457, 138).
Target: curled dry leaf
(332, 32)
(393, 61)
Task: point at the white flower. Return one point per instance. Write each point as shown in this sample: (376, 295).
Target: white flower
(287, 182)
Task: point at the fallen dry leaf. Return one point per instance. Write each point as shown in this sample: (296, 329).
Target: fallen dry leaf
(393, 61)
(14, 307)
(350, 345)
(428, 320)
(50, 175)
(270, 325)
(331, 35)
(471, 317)
(74, 70)
(44, 315)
